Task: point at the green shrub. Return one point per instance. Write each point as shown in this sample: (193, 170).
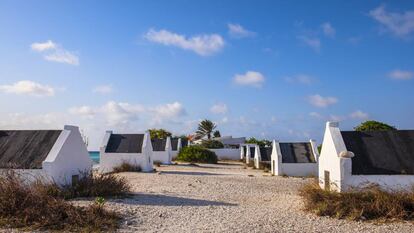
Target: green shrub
(196, 154)
(368, 204)
(212, 144)
(374, 126)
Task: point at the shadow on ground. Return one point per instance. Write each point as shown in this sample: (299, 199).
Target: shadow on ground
(191, 173)
(164, 200)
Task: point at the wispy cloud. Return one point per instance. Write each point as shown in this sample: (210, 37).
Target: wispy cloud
(27, 87)
(219, 108)
(54, 52)
(250, 78)
(400, 24)
(103, 89)
(237, 31)
(119, 113)
(312, 42)
(359, 115)
(328, 29)
(401, 75)
(204, 45)
(320, 101)
(40, 47)
(300, 79)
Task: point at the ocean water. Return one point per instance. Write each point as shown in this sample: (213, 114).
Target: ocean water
(94, 155)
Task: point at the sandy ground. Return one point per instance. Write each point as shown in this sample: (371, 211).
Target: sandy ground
(225, 198)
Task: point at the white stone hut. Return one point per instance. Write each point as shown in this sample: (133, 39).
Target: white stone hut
(135, 149)
(262, 157)
(162, 150)
(176, 145)
(354, 160)
(60, 156)
(294, 158)
(248, 151)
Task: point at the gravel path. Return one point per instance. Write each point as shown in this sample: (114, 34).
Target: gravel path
(225, 198)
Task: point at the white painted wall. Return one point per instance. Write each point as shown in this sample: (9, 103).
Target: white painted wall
(110, 160)
(279, 168)
(227, 153)
(337, 161)
(68, 156)
(257, 157)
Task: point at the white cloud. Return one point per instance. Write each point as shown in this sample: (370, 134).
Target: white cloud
(203, 45)
(166, 111)
(321, 102)
(400, 24)
(316, 115)
(313, 42)
(43, 46)
(56, 53)
(219, 108)
(237, 31)
(300, 78)
(250, 78)
(328, 30)
(103, 89)
(359, 115)
(27, 87)
(336, 118)
(401, 75)
(118, 113)
(84, 111)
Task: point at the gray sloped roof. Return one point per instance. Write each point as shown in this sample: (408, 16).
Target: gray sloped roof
(297, 152)
(266, 153)
(174, 143)
(158, 144)
(125, 143)
(381, 152)
(26, 149)
(252, 151)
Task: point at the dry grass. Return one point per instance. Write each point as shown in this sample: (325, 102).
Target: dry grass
(368, 204)
(157, 163)
(126, 167)
(93, 185)
(31, 207)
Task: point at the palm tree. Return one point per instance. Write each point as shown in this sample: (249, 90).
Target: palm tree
(205, 128)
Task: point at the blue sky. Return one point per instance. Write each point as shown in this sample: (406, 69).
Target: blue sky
(268, 69)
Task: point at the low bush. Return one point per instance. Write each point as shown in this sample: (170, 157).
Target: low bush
(93, 185)
(157, 163)
(265, 165)
(31, 207)
(368, 204)
(126, 167)
(212, 144)
(196, 154)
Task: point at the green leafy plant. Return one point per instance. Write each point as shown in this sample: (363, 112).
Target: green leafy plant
(205, 128)
(212, 144)
(261, 143)
(159, 133)
(196, 154)
(216, 134)
(374, 126)
(100, 201)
